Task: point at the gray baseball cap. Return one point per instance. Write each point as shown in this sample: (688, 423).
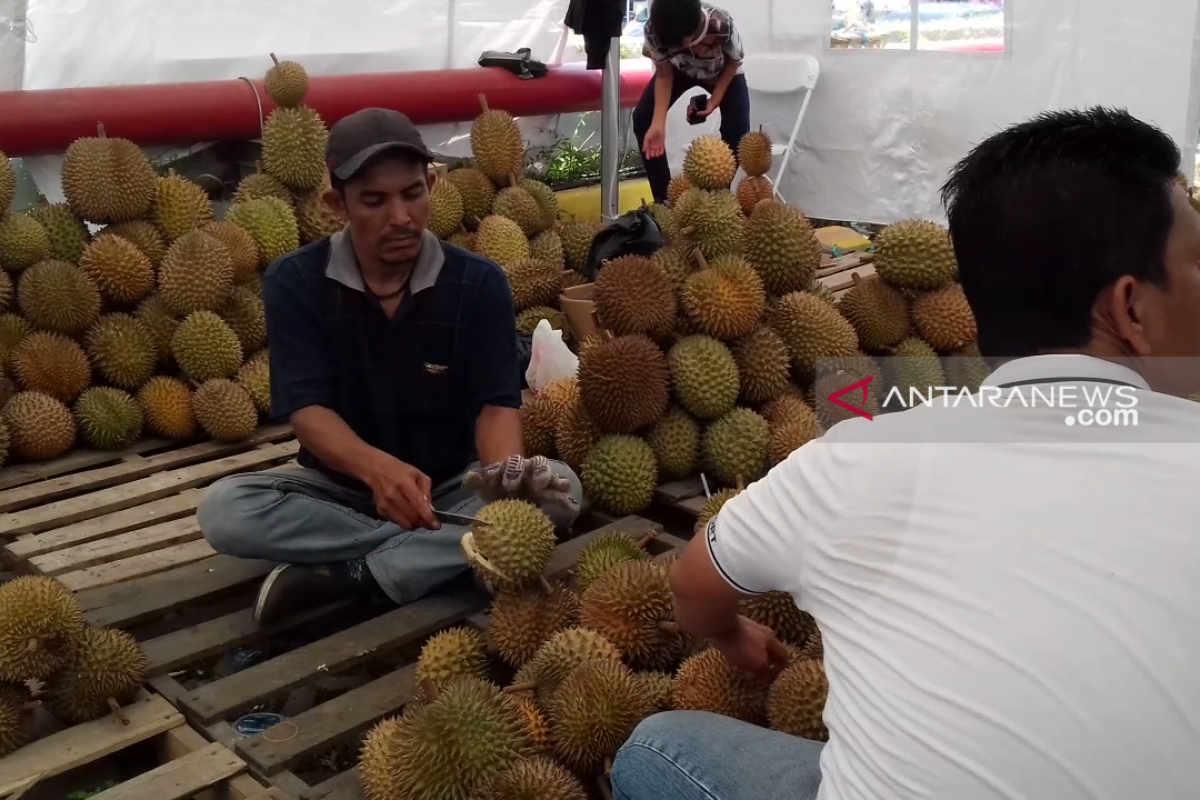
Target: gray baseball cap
(355, 139)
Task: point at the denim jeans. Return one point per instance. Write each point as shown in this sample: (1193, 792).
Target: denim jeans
(295, 515)
(695, 755)
(735, 123)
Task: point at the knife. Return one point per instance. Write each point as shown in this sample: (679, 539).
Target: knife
(457, 519)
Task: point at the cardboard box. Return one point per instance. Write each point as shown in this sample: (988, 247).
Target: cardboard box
(577, 303)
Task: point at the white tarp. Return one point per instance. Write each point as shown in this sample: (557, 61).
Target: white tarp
(880, 133)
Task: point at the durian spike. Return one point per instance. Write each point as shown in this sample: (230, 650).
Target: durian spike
(33, 645)
(603, 785)
(527, 686)
(642, 543)
(274, 60)
(700, 259)
(483, 103)
(668, 627)
(117, 711)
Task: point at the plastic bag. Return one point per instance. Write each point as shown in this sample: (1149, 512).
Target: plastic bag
(635, 233)
(551, 360)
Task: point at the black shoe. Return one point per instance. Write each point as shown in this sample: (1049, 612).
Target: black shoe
(292, 588)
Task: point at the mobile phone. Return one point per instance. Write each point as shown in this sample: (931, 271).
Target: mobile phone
(697, 104)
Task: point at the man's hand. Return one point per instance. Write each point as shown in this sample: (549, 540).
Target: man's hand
(754, 648)
(529, 479)
(655, 143)
(401, 493)
(714, 102)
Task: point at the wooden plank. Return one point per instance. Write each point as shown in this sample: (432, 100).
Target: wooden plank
(120, 546)
(180, 741)
(270, 794)
(686, 495)
(54, 488)
(138, 566)
(842, 281)
(181, 778)
(123, 605)
(143, 490)
(108, 525)
(74, 461)
(83, 744)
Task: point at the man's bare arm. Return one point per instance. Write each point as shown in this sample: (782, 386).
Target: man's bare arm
(330, 439)
(498, 434)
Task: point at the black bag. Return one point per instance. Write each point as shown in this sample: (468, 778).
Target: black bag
(519, 63)
(635, 233)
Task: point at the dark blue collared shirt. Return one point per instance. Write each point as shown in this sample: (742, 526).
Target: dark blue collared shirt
(412, 385)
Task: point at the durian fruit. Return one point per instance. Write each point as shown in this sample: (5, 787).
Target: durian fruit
(712, 505)
(447, 747)
(143, 235)
(709, 163)
(53, 364)
(545, 197)
(965, 368)
(631, 606)
(657, 687)
(675, 264)
(877, 311)
(167, 408)
(286, 83)
(791, 434)
(787, 406)
(446, 209)
(121, 350)
(781, 246)
(547, 247)
(778, 611)
(23, 242)
(244, 313)
(107, 180)
(105, 672)
(58, 297)
(537, 727)
(763, 364)
(224, 410)
(497, 144)
(255, 378)
(538, 424)
(271, 223)
(707, 681)
(518, 205)
(593, 712)
(511, 544)
(575, 434)
(705, 376)
(632, 295)
(620, 474)
(108, 418)
(812, 330)
(914, 367)
(527, 321)
(205, 347)
(796, 701)
(462, 238)
(241, 247)
(40, 427)
(754, 153)
(68, 234)
(531, 779)
(675, 440)
(835, 377)
(675, 189)
(153, 315)
(15, 728)
(915, 254)
(533, 283)
(476, 191)
(624, 383)
(7, 291)
(5, 393)
(452, 653)
(605, 552)
(734, 447)
(41, 628)
(258, 184)
(753, 190)
(577, 240)
(315, 220)
(710, 222)
(727, 299)
(944, 319)
(557, 658)
(180, 205)
(522, 621)
(8, 183)
(122, 272)
(293, 147)
(501, 240)
(13, 330)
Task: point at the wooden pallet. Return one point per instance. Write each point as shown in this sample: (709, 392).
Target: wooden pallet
(837, 274)
(93, 520)
(686, 495)
(386, 645)
(189, 766)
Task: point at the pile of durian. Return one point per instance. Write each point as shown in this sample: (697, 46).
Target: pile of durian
(718, 350)
(50, 657)
(536, 706)
(129, 310)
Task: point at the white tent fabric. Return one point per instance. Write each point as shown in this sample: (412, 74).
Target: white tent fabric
(882, 129)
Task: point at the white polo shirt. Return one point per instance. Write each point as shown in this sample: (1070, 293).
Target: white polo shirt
(1010, 605)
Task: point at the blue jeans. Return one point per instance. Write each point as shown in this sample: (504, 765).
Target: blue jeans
(695, 755)
(296, 515)
(735, 123)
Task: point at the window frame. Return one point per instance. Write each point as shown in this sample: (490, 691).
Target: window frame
(914, 40)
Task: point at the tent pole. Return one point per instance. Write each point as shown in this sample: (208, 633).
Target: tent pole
(610, 132)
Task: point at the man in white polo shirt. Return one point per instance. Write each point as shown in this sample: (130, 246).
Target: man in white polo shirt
(1010, 604)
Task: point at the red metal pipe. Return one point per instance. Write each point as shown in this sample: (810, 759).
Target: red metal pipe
(47, 121)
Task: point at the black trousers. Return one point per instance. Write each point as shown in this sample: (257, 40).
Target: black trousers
(735, 123)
